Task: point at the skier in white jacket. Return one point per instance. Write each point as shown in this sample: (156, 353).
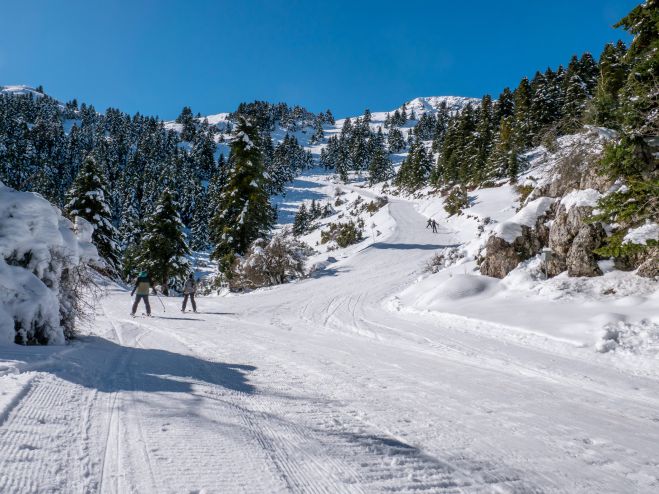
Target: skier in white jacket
(189, 290)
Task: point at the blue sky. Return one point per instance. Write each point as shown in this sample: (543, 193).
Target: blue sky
(155, 56)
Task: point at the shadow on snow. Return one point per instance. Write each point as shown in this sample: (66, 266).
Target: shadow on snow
(106, 366)
(385, 245)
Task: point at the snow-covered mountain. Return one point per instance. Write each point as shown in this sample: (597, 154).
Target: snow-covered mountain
(20, 90)
(417, 106)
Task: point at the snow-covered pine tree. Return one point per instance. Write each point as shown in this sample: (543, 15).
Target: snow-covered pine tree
(613, 73)
(163, 249)
(203, 152)
(244, 212)
(301, 222)
(88, 199)
(504, 106)
(395, 140)
(484, 138)
(199, 237)
(380, 167)
(318, 132)
(130, 230)
(523, 123)
(503, 161)
(186, 119)
(415, 170)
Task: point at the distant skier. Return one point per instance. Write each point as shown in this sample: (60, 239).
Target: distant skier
(434, 226)
(142, 285)
(429, 224)
(189, 290)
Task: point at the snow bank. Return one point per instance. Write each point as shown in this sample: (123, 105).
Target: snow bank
(527, 216)
(642, 234)
(37, 246)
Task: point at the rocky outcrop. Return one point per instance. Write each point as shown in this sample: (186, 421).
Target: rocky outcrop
(502, 255)
(650, 267)
(581, 260)
(500, 258)
(572, 241)
(569, 235)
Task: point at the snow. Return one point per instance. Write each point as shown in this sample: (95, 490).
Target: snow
(20, 90)
(322, 385)
(642, 234)
(580, 198)
(36, 244)
(527, 216)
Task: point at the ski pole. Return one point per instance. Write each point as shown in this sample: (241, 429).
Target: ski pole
(161, 302)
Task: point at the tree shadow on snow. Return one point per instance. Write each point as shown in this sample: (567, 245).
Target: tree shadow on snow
(384, 245)
(180, 318)
(323, 273)
(106, 366)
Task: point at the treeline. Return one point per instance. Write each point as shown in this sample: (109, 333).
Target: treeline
(44, 146)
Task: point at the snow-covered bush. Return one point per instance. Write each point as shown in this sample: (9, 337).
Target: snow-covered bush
(444, 258)
(344, 234)
(43, 268)
(268, 263)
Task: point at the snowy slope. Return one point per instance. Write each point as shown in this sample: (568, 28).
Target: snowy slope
(20, 90)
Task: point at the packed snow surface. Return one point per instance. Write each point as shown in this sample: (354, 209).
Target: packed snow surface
(341, 383)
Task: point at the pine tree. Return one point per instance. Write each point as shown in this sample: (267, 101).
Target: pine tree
(186, 119)
(633, 158)
(577, 89)
(130, 229)
(329, 118)
(395, 141)
(380, 167)
(163, 249)
(243, 210)
(523, 123)
(318, 132)
(484, 138)
(613, 73)
(88, 198)
(415, 171)
(504, 160)
(504, 106)
(199, 238)
(301, 221)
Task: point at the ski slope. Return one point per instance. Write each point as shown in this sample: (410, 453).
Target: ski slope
(316, 387)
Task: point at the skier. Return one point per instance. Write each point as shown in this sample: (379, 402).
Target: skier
(429, 224)
(434, 226)
(189, 290)
(142, 285)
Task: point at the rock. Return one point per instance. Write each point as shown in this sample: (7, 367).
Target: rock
(650, 267)
(580, 258)
(572, 241)
(500, 258)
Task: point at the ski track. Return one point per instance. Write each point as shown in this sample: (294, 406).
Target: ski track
(316, 387)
